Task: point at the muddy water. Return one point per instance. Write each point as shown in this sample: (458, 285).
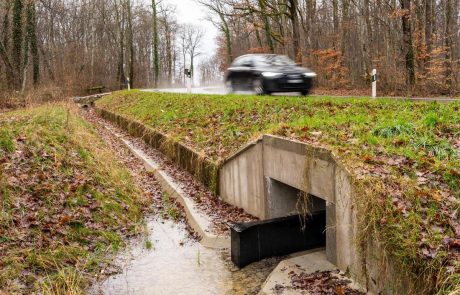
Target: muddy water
(176, 265)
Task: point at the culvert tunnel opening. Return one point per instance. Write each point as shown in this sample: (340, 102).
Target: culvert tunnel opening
(296, 222)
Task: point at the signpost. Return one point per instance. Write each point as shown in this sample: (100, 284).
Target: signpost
(374, 83)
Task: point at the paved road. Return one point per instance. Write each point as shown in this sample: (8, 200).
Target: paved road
(220, 90)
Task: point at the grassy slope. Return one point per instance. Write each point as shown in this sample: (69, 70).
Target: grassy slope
(407, 153)
(65, 201)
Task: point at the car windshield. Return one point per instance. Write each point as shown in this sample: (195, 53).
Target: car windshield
(274, 60)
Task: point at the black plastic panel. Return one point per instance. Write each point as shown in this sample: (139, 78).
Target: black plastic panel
(254, 241)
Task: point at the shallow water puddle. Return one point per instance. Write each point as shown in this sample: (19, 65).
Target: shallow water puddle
(177, 265)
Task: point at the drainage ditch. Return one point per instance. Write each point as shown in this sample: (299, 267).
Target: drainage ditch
(177, 265)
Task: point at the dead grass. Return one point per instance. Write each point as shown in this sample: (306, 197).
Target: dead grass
(66, 201)
(33, 97)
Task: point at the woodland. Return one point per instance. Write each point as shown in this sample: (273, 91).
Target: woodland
(74, 46)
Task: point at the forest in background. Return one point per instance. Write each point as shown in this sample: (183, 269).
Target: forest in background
(76, 45)
(81, 44)
(413, 44)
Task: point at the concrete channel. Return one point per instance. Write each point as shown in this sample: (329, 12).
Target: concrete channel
(269, 178)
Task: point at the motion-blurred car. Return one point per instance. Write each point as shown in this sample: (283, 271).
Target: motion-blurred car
(268, 73)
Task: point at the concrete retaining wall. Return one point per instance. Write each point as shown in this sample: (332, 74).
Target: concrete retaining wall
(203, 169)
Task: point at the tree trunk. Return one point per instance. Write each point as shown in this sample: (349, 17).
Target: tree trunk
(131, 44)
(168, 35)
(17, 42)
(368, 42)
(335, 20)
(155, 41)
(32, 38)
(448, 36)
(228, 40)
(267, 26)
(407, 40)
(293, 6)
(120, 19)
(428, 29)
(6, 61)
(10, 75)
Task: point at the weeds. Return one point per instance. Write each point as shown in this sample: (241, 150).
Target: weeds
(73, 201)
(170, 210)
(393, 130)
(6, 142)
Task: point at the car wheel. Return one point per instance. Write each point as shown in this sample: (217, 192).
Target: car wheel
(229, 87)
(305, 92)
(258, 86)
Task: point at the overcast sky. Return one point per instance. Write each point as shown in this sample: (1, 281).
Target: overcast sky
(189, 11)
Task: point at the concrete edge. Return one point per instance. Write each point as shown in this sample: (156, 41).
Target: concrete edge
(242, 150)
(199, 222)
(308, 262)
(109, 115)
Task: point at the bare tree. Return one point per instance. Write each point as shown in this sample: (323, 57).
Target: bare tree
(193, 36)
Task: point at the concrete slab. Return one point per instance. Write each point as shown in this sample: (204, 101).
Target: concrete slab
(308, 262)
(331, 240)
(321, 179)
(344, 222)
(242, 184)
(284, 166)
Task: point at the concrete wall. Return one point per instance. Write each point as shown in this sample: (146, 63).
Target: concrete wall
(241, 180)
(262, 179)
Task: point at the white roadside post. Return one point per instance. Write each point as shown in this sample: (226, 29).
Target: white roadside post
(374, 83)
(188, 79)
(129, 84)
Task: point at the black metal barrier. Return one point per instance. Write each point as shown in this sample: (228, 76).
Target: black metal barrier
(254, 241)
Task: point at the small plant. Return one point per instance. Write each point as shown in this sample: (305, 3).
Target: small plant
(6, 142)
(170, 210)
(65, 282)
(148, 245)
(439, 149)
(431, 120)
(393, 130)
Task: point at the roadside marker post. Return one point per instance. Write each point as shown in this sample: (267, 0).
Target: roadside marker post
(188, 74)
(374, 83)
(129, 84)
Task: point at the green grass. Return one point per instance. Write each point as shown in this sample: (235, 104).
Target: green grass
(170, 210)
(66, 202)
(405, 151)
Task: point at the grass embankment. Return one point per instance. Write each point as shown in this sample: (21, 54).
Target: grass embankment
(405, 156)
(65, 201)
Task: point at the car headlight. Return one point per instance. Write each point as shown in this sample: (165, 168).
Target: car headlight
(309, 75)
(271, 74)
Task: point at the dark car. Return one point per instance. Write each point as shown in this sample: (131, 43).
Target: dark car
(268, 73)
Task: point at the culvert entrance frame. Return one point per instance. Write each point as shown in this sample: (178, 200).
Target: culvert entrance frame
(244, 180)
(298, 224)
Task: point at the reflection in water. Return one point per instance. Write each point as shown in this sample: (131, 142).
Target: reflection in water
(176, 265)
